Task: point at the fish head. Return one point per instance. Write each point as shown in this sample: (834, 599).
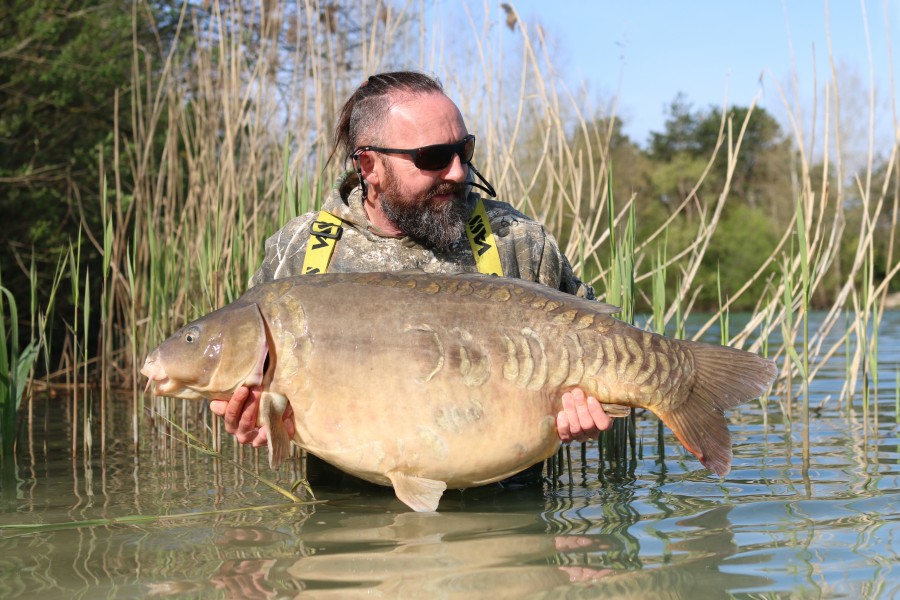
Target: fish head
(212, 356)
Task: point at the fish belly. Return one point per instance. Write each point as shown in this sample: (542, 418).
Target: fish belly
(453, 389)
(377, 417)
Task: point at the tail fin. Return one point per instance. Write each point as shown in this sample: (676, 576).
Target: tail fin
(723, 378)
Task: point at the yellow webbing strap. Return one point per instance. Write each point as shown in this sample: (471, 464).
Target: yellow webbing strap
(324, 234)
(481, 239)
(326, 230)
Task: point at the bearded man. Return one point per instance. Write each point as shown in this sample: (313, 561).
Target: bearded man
(408, 203)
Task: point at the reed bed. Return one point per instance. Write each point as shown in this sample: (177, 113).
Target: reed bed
(231, 136)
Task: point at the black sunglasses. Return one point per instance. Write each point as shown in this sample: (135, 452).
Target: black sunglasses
(431, 158)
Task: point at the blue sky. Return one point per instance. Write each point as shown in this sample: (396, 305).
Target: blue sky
(646, 51)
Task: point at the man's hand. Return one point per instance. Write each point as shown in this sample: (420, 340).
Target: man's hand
(241, 412)
(581, 419)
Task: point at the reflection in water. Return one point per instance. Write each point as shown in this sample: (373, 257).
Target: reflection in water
(404, 554)
(773, 528)
(510, 555)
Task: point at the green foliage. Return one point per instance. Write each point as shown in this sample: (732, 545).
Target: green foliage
(680, 154)
(61, 64)
(744, 236)
(677, 175)
(685, 132)
(68, 76)
(200, 180)
(14, 368)
(887, 244)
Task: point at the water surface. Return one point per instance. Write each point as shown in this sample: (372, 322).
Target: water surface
(776, 527)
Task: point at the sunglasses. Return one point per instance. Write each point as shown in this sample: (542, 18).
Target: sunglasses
(431, 158)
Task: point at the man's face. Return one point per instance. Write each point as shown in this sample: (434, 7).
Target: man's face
(436, 218)
(428, 206)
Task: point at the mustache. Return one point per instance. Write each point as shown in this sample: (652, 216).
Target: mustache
(446, 187)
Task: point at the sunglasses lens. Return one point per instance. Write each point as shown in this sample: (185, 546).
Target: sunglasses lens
(468, 150)
(435, 158)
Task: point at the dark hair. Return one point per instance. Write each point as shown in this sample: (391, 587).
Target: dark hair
(365, 110)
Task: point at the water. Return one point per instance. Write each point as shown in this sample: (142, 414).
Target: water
(774, 528)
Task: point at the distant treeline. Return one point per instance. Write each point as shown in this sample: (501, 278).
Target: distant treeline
(762, 197)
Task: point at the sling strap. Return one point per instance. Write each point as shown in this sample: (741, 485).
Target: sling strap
(482, 242)
(325, 231)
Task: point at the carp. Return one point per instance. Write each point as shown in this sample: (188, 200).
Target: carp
(426, 382)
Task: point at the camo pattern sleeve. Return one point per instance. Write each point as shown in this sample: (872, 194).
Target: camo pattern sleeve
(529, 251)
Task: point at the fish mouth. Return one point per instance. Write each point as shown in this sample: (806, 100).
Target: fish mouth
(160, 384)
(154, 372)
(160, 387)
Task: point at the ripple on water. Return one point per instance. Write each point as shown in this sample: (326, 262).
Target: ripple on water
(774, 527)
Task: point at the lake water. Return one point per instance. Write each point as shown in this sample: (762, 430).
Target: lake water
(774, 528)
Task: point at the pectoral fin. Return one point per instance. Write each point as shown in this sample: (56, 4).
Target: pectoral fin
(271, 413)
(616, 410)
(418, 493)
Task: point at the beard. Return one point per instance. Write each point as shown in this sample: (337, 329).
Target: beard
(433, 224)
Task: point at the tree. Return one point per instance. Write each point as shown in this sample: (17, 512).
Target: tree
(761, 195)
(63, 65)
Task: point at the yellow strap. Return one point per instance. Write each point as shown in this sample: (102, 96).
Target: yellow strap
(326, 230)
(481, 239)
(324, 234)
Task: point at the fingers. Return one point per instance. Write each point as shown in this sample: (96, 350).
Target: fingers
(241, 412)
(598, 416)
(218, 407)
(581, 418)
(235, 408)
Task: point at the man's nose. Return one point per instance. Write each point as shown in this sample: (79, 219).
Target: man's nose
(456, 170)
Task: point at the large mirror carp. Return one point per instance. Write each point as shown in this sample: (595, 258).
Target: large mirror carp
(426, 382)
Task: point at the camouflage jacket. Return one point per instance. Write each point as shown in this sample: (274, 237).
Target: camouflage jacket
(527, 250)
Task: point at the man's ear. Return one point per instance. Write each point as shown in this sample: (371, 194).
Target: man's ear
(370, 168)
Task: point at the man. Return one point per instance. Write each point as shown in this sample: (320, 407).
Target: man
(407, 205)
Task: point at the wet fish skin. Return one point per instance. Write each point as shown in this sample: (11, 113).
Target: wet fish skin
(425, 382)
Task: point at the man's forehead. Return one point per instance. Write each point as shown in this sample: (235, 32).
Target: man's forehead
(424, 119)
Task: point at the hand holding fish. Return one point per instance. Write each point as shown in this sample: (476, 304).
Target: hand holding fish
(241, 412)
(581, 419)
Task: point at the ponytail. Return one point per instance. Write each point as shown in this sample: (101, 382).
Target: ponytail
(363, 115)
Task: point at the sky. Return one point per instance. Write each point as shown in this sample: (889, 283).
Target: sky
(644, 52)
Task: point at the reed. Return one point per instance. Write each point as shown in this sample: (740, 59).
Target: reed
(15, 366)
(658, 303)
(17, 362)
(805, 291)
(228, 144)
(615, 442)
(195, 443)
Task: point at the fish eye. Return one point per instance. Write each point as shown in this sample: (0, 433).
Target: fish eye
(191, 335)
